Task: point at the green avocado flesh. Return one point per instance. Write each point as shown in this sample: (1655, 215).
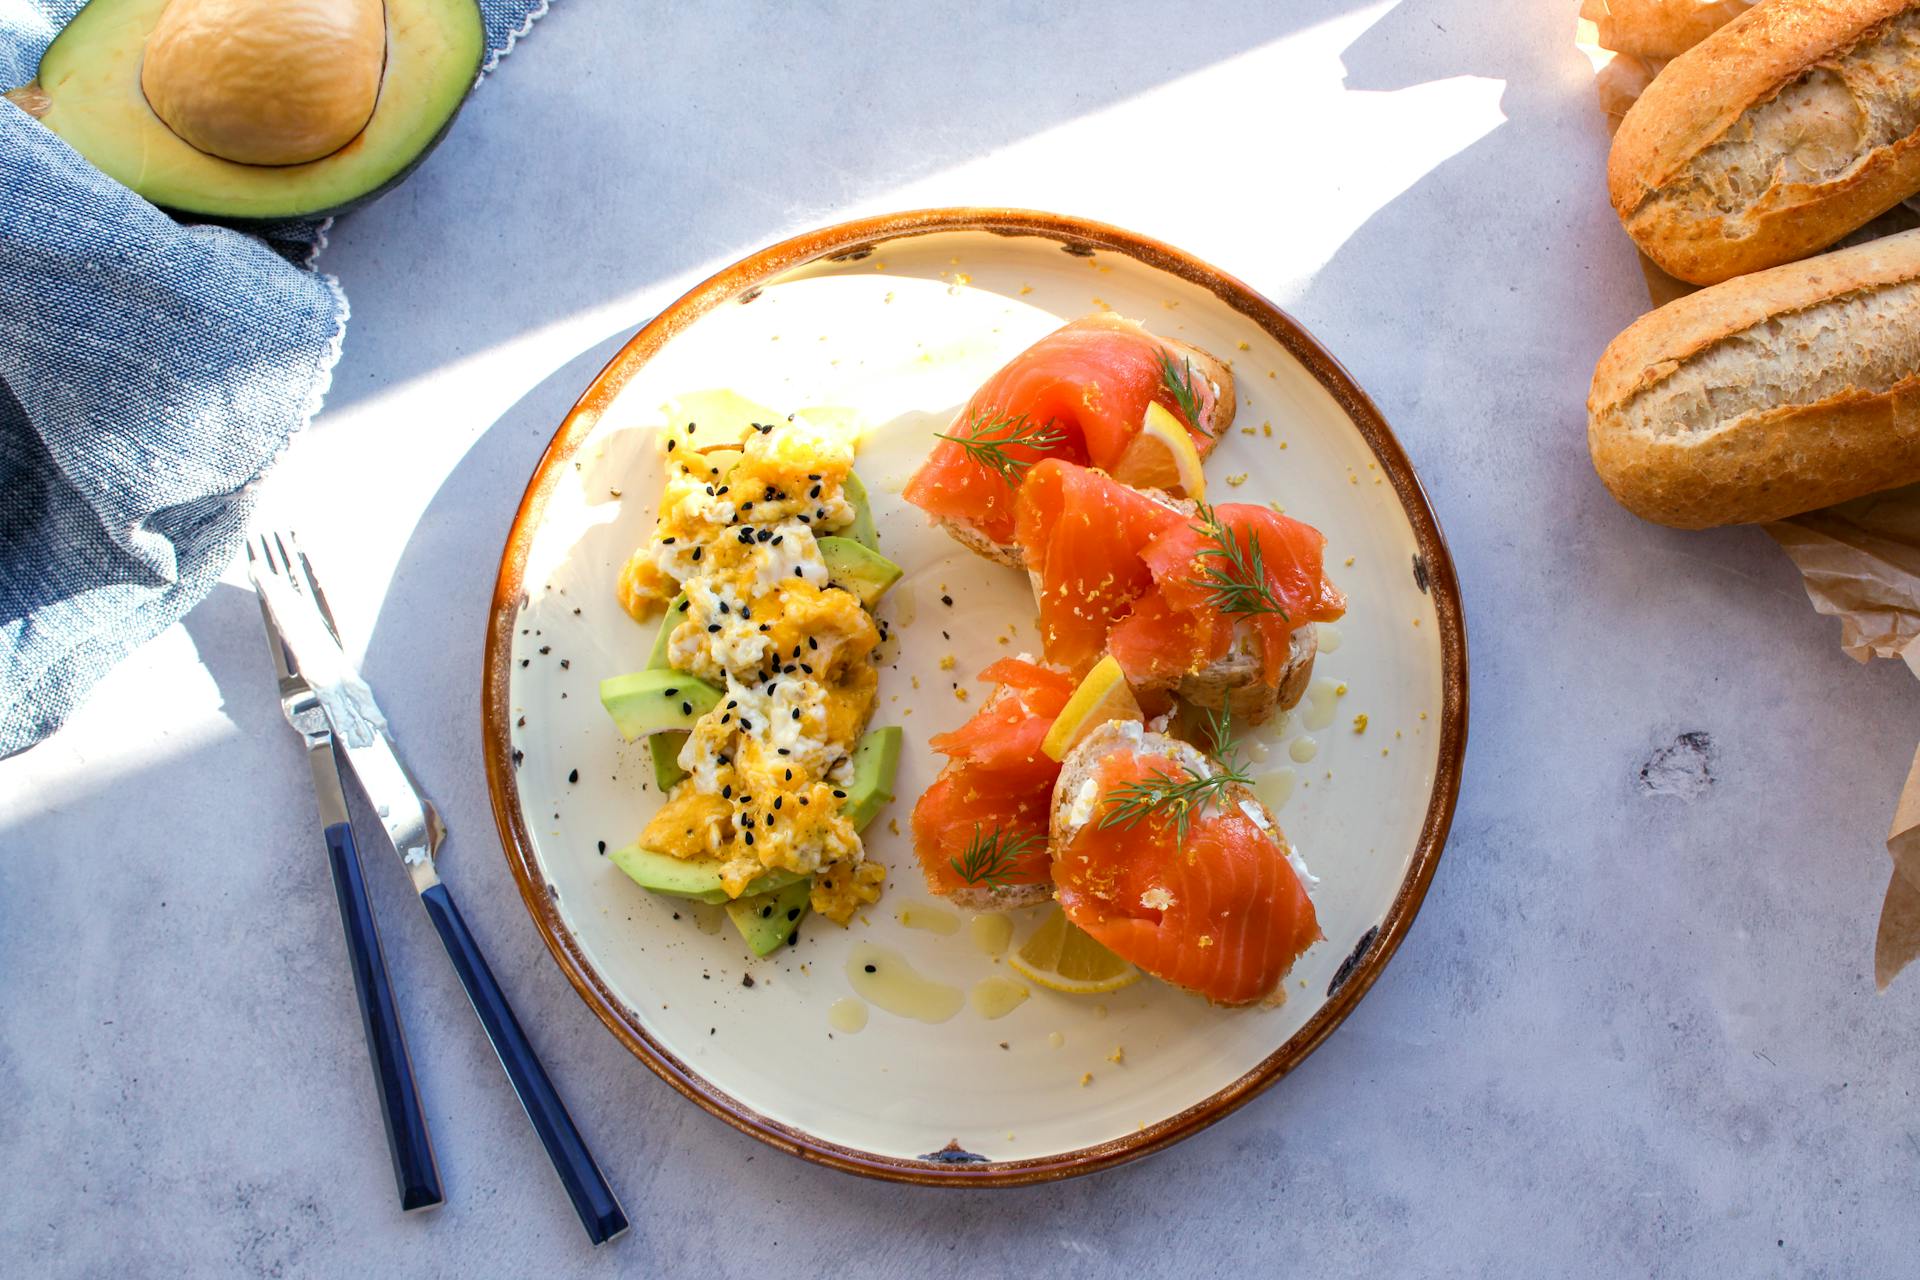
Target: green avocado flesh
(862, 530)
(647, 702)
(875, 761)
(767, 920)
(859, 569)
(88, 92)
(665, 747)
(695, 878)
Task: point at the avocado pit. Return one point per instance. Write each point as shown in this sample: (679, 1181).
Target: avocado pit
(266, 83)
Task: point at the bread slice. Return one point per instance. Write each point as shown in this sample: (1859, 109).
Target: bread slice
(1082, 766)
(1214, 423)
(1234, 680)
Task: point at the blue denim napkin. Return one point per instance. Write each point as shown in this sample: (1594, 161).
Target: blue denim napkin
(150, 371)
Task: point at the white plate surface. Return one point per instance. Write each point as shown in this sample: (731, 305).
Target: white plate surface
(903, 336)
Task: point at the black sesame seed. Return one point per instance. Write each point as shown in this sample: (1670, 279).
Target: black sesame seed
(839, 794)
(723, 607)
(673, 693)
(870, 969)
(602, 844)
(779, 538)
(793, 913)
(726, 792)
(686, 708)
(712, 627)
(812, 643)
(782, 751)
(696, 552)
(814, 492)
(796, 713)
(573, 775)
(671, 445)
(684, 604)
(799, 572)
(776, 801)
(947, 600)
(525, 661)
(749, 838)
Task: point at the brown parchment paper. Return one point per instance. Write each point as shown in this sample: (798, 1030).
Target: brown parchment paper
(1859, 561)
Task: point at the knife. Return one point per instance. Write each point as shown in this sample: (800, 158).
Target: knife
(411, 1147)
(289, 590)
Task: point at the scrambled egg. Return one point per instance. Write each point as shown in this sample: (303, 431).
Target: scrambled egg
(768, 766)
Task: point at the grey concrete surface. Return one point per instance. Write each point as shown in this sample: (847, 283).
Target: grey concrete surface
(1634, 1030)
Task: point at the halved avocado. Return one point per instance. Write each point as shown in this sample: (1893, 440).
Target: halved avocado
(858, 568)
(696, 878)
(207, 63)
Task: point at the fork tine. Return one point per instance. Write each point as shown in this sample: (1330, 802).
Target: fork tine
(313, 584)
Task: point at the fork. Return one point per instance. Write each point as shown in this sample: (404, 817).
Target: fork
(414, 1168)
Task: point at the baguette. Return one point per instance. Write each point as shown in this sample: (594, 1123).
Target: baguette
(1213, 424)
(1766, 396)
(1662, 28)
(1772, 138)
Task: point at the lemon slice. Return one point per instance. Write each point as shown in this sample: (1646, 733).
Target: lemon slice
(1101, 697)
(1162, 456)
(1062, 957)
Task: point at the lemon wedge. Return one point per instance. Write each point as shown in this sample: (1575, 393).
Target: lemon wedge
(1101, 697)
(1162, 456)
(1062, 957)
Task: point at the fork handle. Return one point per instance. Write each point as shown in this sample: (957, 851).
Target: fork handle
(406, 1120)
(587, 1187)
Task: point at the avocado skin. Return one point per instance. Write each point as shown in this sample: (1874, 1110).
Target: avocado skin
(763, 920)
(210, 210)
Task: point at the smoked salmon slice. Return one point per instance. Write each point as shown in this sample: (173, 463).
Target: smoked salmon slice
(1221, 912)
(1150, 581)
(1080, 393)
(997, 780)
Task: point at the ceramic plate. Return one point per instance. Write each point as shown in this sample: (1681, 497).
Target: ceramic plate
(900, 319)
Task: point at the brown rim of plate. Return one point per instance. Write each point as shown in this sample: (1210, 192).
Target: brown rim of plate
(1075, 235)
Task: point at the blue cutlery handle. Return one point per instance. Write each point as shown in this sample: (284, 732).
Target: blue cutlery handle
(593, 1199)
(413, 1165)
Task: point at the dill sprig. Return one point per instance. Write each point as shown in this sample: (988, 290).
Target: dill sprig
(1178, 380)
(1180, 797)
(992, 856)
(1236, 582)
(987, 437)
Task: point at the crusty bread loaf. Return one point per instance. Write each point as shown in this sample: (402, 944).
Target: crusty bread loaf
(1660, 28)
(1772, 138)
(1768, 395)
(1214, 423)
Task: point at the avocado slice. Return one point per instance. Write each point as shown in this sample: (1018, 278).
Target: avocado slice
(860, 569)
(695, 878)
(875, 761)
(665, 747)
(647, 702)
(862, 529)
(419, 62)
(661, 658)
(767, 920)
